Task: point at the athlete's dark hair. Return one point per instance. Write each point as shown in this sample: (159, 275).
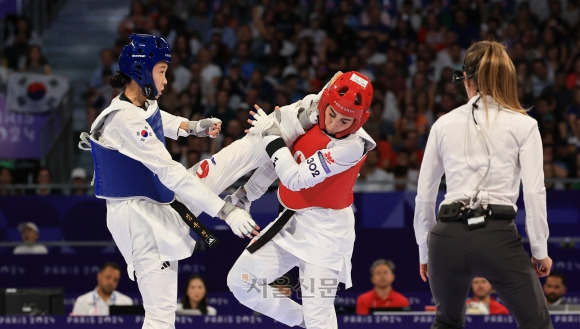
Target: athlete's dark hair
(120, 80)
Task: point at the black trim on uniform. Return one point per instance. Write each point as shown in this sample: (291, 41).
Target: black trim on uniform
(274, 146)
(193, 223)
(272, 231)
(124, 97)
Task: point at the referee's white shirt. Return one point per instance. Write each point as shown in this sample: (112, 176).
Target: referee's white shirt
(455, 149)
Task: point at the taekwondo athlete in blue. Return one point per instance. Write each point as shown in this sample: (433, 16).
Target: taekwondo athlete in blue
(135, 173)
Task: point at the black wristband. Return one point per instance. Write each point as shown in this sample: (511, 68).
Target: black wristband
(274, 146)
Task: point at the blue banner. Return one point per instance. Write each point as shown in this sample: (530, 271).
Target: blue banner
(20, 134)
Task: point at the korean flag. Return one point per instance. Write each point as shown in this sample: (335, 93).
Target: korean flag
(35, 93)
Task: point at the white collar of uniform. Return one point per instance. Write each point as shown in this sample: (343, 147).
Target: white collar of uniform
(368, 140)
(151, 108)
(98, 123)
(118, 104)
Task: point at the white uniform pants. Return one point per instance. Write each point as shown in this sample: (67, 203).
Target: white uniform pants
(156, 278)
(158, 287)
(249, 277)
(230, 163)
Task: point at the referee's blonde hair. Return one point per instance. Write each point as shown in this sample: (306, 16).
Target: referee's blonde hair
(494, 73)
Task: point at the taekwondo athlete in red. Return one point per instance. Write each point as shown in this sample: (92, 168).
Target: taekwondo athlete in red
(143, 186)
(242, 156)
(316, 230)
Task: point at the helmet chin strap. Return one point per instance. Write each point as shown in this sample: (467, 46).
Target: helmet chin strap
(148, 92)
(331, 135)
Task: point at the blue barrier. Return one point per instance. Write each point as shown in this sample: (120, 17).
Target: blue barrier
(392, 210)
(383, 227)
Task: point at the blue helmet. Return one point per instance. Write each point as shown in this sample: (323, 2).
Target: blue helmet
(140, 56)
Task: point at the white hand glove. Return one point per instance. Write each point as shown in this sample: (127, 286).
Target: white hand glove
(239, 199)
(264, 125)
(308, 117)
(239, 220)
(203, 127)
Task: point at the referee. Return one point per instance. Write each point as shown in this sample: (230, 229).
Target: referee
(485, 148)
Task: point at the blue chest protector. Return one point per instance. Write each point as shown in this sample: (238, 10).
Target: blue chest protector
(118, 176)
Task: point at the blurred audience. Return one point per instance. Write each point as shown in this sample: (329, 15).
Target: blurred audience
(138, 20)
(79, 181)
(372, 178)
(44, 181)
(382, 295)
(18, 36)
(194, 298)
(6, 181)
(35, 62)
(107, 61)
(554, 290)
(97, 301)
(29, 233)
(482, 302)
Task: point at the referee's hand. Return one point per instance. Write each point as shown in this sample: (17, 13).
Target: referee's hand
(542, 266)
(423, 272)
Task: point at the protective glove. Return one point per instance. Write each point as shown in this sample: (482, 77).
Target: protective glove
(205, 127)
(239, 220)
(264, 125)
(239, 199)
(308, 117)
(326, 86)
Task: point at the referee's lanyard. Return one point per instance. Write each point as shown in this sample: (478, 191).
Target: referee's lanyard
(96, 298)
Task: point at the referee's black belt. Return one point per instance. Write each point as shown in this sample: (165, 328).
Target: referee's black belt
(198, 228)
(458, 211)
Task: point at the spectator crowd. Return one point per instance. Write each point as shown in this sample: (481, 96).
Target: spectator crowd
(228, 56)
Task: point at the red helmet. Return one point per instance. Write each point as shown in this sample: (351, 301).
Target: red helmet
(350, 95)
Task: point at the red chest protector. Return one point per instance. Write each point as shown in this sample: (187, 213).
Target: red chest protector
(335, 192)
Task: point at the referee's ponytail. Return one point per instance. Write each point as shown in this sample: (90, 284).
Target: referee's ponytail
(494, 73)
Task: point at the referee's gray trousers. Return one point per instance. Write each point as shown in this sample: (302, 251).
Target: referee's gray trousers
(494, 252)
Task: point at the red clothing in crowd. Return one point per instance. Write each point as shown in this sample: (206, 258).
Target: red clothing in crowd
(495, 307)
(371, 299)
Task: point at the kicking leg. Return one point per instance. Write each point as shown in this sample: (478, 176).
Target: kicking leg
(232, 162)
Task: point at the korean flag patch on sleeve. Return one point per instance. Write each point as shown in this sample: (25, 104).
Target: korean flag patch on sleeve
(144, 134)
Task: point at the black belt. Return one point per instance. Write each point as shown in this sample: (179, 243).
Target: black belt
(192, 221)
(272, 231)
(459, 211)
